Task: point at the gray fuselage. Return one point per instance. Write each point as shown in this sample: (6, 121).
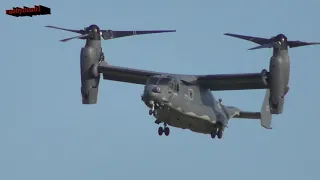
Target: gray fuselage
(184, 105)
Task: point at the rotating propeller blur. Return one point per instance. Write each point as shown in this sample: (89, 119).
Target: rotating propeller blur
(93, 31)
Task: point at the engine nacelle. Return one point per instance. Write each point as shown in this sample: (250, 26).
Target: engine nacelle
(89, 58)
(279, 72)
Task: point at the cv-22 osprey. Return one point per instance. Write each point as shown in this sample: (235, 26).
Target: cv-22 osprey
(184, 100)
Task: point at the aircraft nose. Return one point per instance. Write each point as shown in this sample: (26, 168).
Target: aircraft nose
(151, 93)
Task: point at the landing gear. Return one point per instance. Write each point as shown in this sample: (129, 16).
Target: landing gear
(153, 110)
(164, 130)
(217, 132)
(157, 121)
(101, 57)
(155, 113)
(160, 131)
(220, 133)
(213, 133)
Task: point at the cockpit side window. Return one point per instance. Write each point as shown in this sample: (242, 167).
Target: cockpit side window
(152, 80)
(175, 85)
(165, 81)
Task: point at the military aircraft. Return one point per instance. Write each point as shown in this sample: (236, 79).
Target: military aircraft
(182, 100)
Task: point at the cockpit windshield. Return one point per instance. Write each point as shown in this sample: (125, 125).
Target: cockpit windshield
(165, 81)
(152, 80)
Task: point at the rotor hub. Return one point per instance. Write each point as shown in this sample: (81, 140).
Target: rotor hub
(94, 32)
(281, 38)
(94, 28)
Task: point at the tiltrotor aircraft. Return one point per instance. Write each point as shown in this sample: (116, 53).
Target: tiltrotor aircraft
(182, 100)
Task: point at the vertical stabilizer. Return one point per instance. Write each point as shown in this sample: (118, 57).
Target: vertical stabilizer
(266, 116)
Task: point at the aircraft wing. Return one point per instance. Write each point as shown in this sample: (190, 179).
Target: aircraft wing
(220, 82)
(122, 74)
(216, 82)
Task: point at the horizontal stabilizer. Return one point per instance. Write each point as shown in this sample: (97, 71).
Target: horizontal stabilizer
(265, 115)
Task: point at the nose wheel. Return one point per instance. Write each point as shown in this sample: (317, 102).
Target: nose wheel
(150, 112)
(153, 111)
(164, 130)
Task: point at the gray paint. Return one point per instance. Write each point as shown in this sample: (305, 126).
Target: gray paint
(187, 102)
(202, 113)
(279, 68)
(90, 55)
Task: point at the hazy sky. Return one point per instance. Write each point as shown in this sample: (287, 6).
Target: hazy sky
(47, 134)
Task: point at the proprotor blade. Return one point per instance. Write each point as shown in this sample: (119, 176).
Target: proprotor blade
(257, 40)
(70, 30)
(110, 34)
(293, 44)
(75, 37)
(269, 45)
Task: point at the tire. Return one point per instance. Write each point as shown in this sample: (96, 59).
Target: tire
(160, 131)
(166, 131)
(220, 134)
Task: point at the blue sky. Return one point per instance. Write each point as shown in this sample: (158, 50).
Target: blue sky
(46, 133)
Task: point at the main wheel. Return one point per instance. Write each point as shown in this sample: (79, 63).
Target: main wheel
(160, 131)
(213, 133)
(220, 133)
(166, 131)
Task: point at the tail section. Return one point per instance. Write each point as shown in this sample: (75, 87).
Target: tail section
(265, 115)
